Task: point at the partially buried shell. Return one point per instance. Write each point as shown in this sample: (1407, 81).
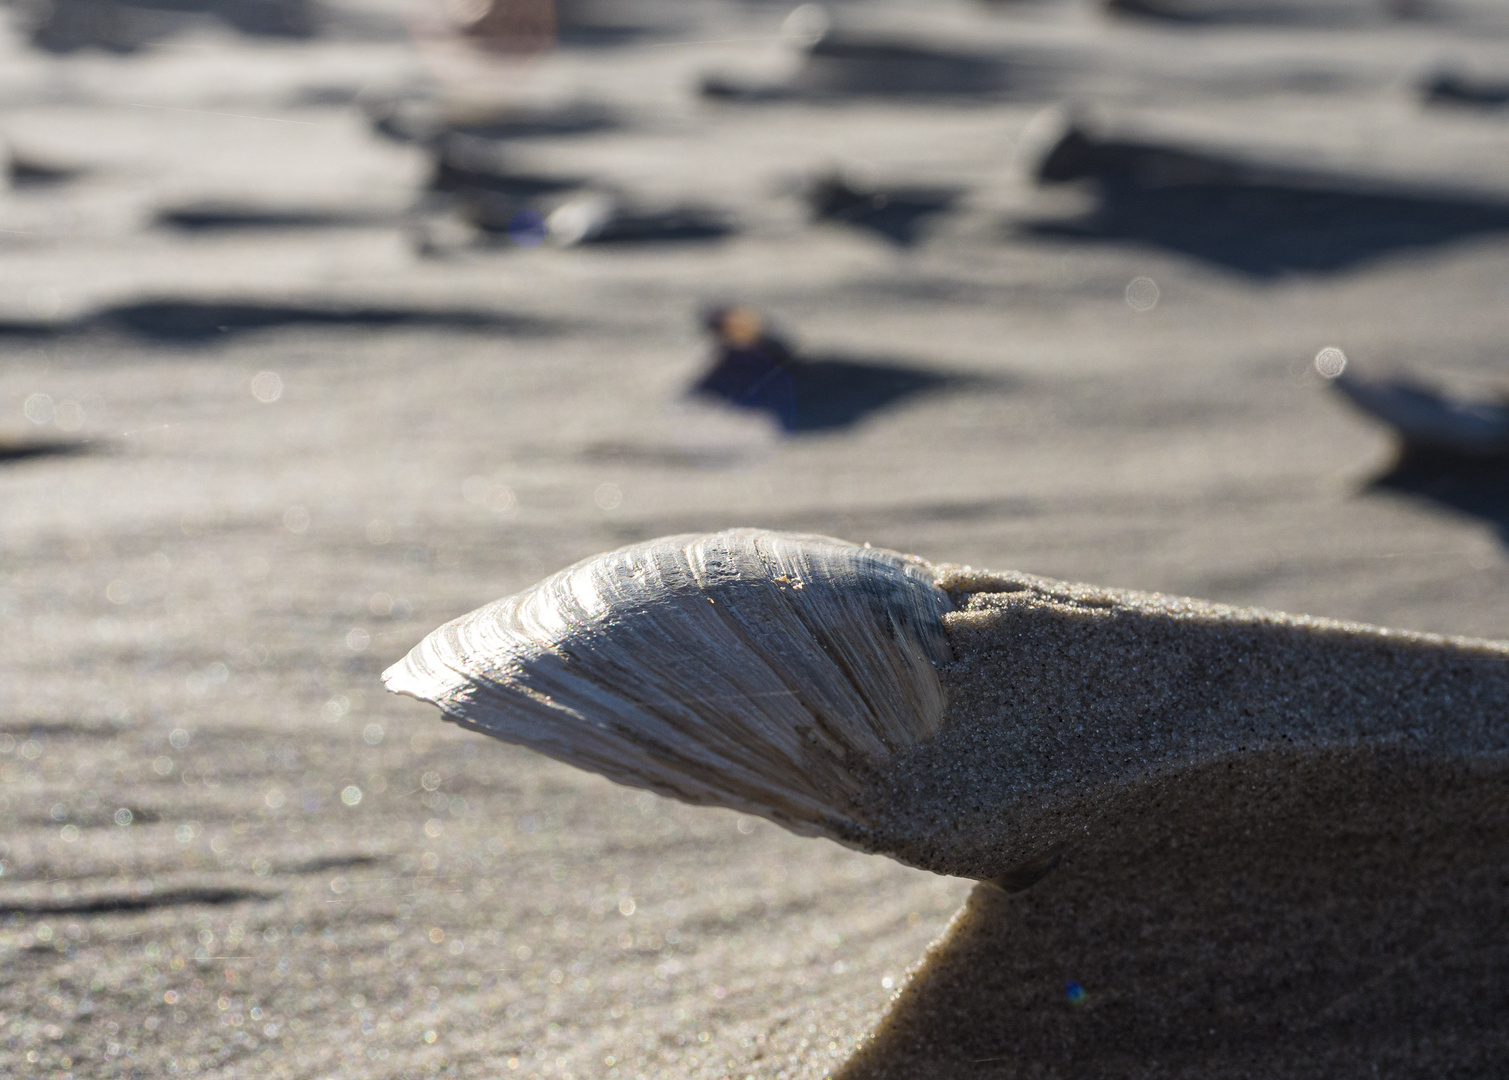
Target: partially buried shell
(773, 673)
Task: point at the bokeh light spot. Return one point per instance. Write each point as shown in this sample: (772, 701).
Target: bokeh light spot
(1330, 362)
(267, 387)
(608, 496)
(38, 409)
(1142, 294)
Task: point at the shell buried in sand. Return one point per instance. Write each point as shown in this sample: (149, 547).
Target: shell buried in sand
(967, 722)
(1208, 822)
(772, 673)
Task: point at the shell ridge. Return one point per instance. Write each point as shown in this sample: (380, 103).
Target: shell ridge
(559, 732)
(773, 673)
(775, 628)
(819, 732)
(667, 682)
(576, 673)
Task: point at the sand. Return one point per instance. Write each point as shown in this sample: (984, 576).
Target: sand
(1063, 698)
(1241, 845)
(165, 580)
(1284, 914)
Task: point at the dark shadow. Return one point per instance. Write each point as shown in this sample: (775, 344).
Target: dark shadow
(599, 24)
(23, 172)
(1428, 421)
(852, 64)
(594, 219)
(191, 320)
(1276, 913)
(835, 391)
(1449, 88)
(807, 395)
(473, 177)
(1259, 222)
(24, 449)
(735, 89)
(590, 34)
(409, 120)
(682, 225)
(755, 369)
(1454, 453)
(578, 119)
(841, 65)
(97, 905)
(466, 163)
(216, 216)
(124, 26)
(449, 177)
(1258, 12)
(206, 320)
(895, 214)
(1476, 486)
(334, 862)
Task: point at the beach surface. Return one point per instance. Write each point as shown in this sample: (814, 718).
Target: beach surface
(251, 459)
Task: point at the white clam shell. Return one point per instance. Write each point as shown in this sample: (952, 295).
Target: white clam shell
(771, 673)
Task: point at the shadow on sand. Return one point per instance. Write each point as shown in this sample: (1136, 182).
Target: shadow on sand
(1453, 88)
(1476, 486)
(897, 215)
(806, 395)
(841, 65)
(26, 449)
(26, 172)
(1264, 12)
(210, 217)
(1264, 223)
(417, 120)
(125, 26)
(1338, 912)
(200, 320)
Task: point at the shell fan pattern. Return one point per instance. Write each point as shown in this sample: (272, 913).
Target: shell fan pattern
(771, 673)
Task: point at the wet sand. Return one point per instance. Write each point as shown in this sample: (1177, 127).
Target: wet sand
(239, 571)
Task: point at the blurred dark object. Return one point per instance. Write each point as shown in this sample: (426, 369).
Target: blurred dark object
(1429, 424)
(469, 163)
(23, 171)
(1263, 12)
(897, 214)
(473, 178)
(1256, 219)
(751, 366)
(754, 368)
(1450, 88)
(1078, 155)
(194, 320)
(211, 216)
(510, 27)
(1473, 485)
(12, 449)
(1454, 453)
(421, 120)
(837, 64)
(64, 26)
(531, 27)
(605, 218)
(862, 65)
